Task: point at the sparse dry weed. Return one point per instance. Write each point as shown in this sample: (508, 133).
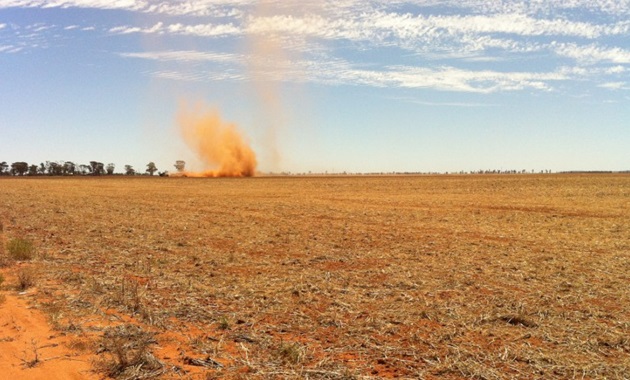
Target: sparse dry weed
(19, 249)
(127, 348)
(26, 278)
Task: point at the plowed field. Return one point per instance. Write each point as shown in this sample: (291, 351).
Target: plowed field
(446, 277)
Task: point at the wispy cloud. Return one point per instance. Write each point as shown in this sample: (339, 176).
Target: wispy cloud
(593, 53)
(423, 102)
(615, 85)
(200, 30)
(197, 76)
(465, 45)
(185, 55)
(341, 72)
(390, 27)
(455, 79)
(231, 8)
(214, 8)
(10, 49)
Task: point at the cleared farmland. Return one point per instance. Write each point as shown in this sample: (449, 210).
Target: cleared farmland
(336, 277)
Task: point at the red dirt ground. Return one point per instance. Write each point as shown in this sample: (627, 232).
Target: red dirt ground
(31, 350)
(327, 278)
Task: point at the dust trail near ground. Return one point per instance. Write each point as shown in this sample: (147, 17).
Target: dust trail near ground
(219, 144)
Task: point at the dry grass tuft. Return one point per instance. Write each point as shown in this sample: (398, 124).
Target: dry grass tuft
(292, 353)
(19, 249)
(127, 348)
(27, 278)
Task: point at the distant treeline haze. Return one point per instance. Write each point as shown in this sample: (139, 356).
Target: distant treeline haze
(69, 168)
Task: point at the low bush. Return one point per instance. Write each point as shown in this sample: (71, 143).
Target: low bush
(26, 278)
(129, 354)
(21, 249)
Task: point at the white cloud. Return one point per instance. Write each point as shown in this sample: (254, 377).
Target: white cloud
(213, 8)
(455, 79)
(618, 8)
(383, 26)
(341, 72)
(157, 28)
(465, 45)
(205, 30)
(10, 49)
(437, 36)
(185, 55)
(101, 4)
(614, 85)
(201, 30)
(592, 53)
(197, 76)
(125, 30)
(234, 8)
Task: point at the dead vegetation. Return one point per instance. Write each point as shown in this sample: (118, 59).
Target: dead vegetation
(19, 249)
(26, 278)
(127, 348)
(336, 278)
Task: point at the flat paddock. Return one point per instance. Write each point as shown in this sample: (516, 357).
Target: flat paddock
(505, 276)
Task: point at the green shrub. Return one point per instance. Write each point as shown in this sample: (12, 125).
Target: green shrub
(21, 249)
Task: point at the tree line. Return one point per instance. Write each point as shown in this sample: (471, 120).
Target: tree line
(69, 168)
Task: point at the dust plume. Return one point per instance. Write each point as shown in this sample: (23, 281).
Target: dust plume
(269, 63)
(219, 144)
(265, 50)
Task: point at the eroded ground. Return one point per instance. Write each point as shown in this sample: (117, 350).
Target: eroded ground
(350, 277)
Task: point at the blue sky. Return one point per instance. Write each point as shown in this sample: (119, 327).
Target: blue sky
(344, 85)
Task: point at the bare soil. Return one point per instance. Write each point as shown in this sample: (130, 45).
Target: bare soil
(448, 277)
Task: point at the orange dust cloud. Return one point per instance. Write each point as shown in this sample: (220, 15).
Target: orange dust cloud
(217, 143)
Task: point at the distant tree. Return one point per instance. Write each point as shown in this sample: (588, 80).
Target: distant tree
(97, 168)
(180, 165)
(69, 168)
(33, 170)
(151, 168)
(163, 174)
(4, 168)
(54, 168)
(19, 168)
(129, 170)
(42, 168)
(85, 169)
(110, 168)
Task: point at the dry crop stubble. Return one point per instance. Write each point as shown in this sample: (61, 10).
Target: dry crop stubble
(342, 277)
